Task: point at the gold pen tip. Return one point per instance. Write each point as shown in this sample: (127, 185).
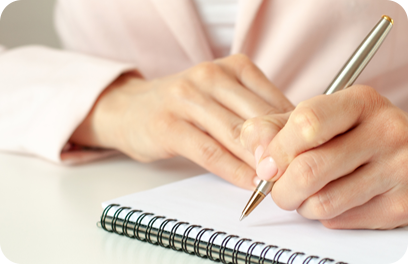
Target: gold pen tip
(388, 18)
(256, 198)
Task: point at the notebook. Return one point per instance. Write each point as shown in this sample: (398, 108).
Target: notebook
(200, 216)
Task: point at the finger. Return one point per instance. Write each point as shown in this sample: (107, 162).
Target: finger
(346, 193)
(316, 121)
(222, 124)
(310, 171)
(260, 131)
(192, 143)
(253, 78)
(247, 104)
(386, 211)
(213, 80)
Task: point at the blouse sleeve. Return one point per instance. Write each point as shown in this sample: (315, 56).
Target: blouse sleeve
(44, 95)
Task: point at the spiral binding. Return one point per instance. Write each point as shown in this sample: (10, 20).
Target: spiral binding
(138, 223)
(224, 244)
(262, 256)
(161, 231)
(293, 256)
(308, 259)
(185, 237)
(115, 219)
(173, 234)
(105, 214)
(236, 249)
(250, 251)
(138, 229)
(198, 240)
(323, 261)
(127, 220)
(211, 244)
(279, 254)
(149, 229)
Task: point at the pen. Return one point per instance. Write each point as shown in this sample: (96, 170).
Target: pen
(345, 78)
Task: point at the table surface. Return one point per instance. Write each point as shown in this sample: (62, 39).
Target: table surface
(49, 212)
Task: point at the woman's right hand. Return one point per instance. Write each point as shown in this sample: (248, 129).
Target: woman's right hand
(197, 113)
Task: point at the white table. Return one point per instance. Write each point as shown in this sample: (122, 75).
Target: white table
(49, 212)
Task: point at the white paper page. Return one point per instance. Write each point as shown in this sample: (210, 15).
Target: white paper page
(211, 202)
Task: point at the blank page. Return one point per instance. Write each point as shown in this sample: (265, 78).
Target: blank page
(214, 203)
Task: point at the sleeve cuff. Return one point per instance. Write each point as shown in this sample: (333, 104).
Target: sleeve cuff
(45, 94)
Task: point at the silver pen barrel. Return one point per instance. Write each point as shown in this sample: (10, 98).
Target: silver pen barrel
(345, 78)
(362, 56)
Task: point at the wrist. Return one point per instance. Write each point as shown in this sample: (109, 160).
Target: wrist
(103, 125)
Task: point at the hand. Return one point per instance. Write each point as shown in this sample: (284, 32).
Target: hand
(340, 158)
(197, 113)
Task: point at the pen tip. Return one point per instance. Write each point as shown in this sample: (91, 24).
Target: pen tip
(242, 217)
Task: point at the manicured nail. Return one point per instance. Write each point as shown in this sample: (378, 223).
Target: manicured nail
(256, 181)
(266, 169)
(258, 154)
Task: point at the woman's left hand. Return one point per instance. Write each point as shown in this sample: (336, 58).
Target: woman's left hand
(340, 158)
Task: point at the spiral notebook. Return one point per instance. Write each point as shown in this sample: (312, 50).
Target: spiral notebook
(200, 216)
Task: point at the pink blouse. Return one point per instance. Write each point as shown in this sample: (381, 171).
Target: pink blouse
(299, 44)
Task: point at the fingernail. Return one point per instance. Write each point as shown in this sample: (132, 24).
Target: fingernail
(256, 181)
(258, 154)
(266, 169)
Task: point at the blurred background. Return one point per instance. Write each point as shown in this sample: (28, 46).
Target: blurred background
(28, 22)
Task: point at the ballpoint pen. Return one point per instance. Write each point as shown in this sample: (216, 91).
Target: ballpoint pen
(345, 78)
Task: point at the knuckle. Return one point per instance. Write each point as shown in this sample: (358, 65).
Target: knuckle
(370, 100)
(307, 167)
(366, 91)
(242, 63)
(242, 58)
(249, 131)
(210, 154)
(322, 206)
(246, 130)
(246, 64)
(307, 121)
(235, 132)
(249, 126)
(395, 128)
(253, 123)
(206, 71)
(182, 89)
